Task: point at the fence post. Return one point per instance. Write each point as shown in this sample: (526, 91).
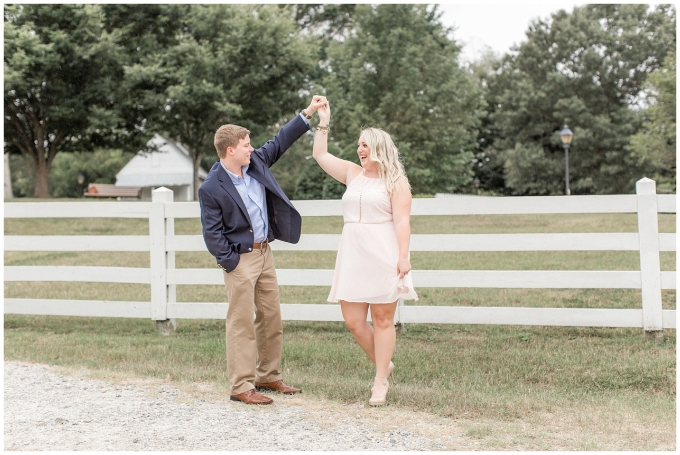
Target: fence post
(159, 261)
(398, 317)
(650, 264)
(170, 258)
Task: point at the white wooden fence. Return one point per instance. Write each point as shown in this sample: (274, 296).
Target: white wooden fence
(163, 277)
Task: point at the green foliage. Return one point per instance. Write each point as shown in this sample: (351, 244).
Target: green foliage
(144, 29)
(314, 183)
(80, 78)
(326, 20)
(332, 189)
(488, 162)
(288, 168)
(60, 68)
(22, 174)
(398, 70)
(310, 182)
(529, 171)
(240, 64)
(100, 166)
(585, 69)
(655, 144)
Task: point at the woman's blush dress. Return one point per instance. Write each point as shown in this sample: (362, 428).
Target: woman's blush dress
(366, 265)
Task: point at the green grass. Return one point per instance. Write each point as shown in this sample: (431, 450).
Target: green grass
(480, 371)
(500, 382)
(472, 224)
(539, 260)
(420, 260)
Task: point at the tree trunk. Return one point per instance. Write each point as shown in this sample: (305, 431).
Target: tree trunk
(42, 172)
(42, 155)
(8, 179)
(197, 164)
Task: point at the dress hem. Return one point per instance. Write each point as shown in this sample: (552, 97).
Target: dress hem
(370, 303)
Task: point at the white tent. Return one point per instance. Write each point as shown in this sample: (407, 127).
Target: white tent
(165, 163)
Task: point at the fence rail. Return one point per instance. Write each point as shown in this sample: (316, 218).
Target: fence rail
(163, 277)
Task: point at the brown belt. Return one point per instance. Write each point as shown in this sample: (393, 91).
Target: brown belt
(260, 246)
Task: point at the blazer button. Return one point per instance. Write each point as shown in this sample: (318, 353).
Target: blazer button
(250, 249)
(251, 231)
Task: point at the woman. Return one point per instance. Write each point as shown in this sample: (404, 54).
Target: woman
(372, 266)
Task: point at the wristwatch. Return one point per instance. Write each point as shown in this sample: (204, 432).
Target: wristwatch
(307, 116)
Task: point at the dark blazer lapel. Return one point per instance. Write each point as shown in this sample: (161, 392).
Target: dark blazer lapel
(254, 172)
(228, 185)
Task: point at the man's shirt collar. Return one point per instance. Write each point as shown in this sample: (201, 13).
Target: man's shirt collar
(235, 178)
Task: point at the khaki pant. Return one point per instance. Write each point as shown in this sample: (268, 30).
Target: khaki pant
(254, 329)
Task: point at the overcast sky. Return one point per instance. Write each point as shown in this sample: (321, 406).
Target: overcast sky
(497, 25)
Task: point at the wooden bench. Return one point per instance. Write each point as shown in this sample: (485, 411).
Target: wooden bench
(109, 190)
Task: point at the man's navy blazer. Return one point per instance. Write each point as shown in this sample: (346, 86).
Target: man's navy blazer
(227, 229)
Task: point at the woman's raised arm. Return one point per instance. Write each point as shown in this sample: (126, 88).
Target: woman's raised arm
(334, 166)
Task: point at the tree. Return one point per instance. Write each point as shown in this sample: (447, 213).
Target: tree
(143, 31)
(241, 64)
(330, 20)
(398, 70)
(98, 166)
(655, 144)
(58, 85)
(585, 69)
(487, 162)
(310, 181)
(314, 183)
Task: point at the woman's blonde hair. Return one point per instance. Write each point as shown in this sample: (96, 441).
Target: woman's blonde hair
(386, 155)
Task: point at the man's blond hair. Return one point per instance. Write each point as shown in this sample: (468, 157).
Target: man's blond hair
(228, 136)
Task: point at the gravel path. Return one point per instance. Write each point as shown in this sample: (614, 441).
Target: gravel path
(45, 410)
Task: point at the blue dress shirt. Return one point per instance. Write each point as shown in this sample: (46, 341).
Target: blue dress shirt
(252, 193)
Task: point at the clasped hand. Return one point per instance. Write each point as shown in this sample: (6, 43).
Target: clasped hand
(403, 267)
(316, 103)
(325, 114)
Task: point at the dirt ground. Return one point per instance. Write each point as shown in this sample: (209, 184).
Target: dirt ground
(580, 429)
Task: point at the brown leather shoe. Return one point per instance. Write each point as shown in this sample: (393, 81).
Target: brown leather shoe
(277, 386)
(251, 396)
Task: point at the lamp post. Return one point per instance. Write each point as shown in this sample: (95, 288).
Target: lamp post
(566, 135)
(81, 180)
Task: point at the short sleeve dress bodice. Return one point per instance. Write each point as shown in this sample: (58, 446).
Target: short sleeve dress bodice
(366, 264)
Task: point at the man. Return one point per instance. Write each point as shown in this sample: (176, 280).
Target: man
(243, 209)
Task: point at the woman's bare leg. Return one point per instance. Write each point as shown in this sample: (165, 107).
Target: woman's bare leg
(384, 336)
(378, 342)
(355, 314)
